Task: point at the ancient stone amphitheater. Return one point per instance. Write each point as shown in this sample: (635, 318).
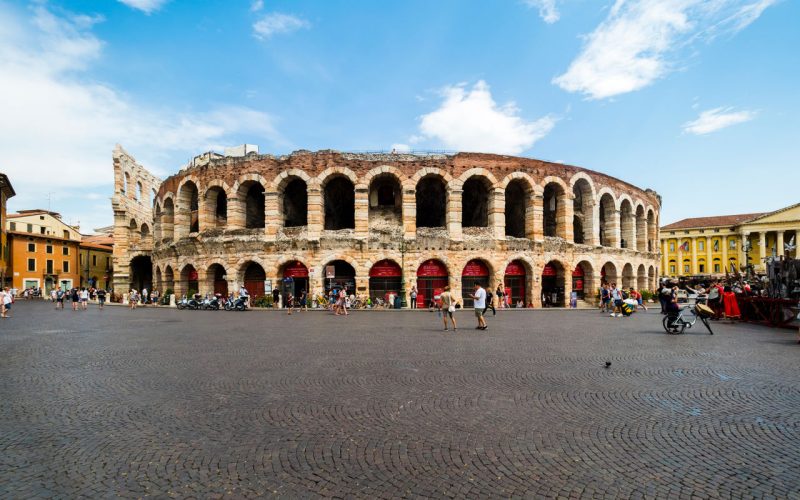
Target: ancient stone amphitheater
(380, 224)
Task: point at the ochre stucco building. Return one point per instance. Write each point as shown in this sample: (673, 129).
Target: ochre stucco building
(710, 246)
(376, 223)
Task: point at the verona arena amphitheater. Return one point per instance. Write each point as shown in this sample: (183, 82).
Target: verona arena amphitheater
(381, 223)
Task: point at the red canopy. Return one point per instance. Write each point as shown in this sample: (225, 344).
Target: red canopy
(515, 268)
(475, 268)
(295, 269)
(549, 270)
(432, 268)
(578, 272)
(385, 269)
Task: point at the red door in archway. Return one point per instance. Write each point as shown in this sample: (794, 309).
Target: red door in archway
(432, 277)
(514, 278)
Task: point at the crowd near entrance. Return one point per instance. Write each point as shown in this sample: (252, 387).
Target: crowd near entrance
(474, 272)
(514, 278)
(342, 276)
(432, 277)
(553, 285)
(385, 278)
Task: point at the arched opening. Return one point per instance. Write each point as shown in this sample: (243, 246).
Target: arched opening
(582, 205)
(134, 236)
(432, 277)
(553, 210)
(673, 267)
(167, 220)
(141, 272)
(641, 278)
(216, 205)
(295, 203)
(190, 281)
(253, 279)
(145, 233)
(515, 280)
(583, 279)
(627, 225)
(385, 278)
(608, 221)
(608, 273)
(217, 279)
(294, 278)
(517, 200)
(476, 271)
(339, 199)
(628, 278)
(344, 276)
(553, 284)
(651, 278)
(475, 202)
(385, 201)
(159, 283)
(188, 209)
(652, 231)
(157, 215)
(126, 186)
(641, 229)
(431, 198)
(169, 280)
(251, 199)
(138, 191)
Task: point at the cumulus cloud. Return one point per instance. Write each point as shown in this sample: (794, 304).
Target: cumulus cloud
(547, 9)
(470, 120)
(65, 123)
(640, 39)
(715, 119)
(146, 6)
(276, 23)
(257, 5)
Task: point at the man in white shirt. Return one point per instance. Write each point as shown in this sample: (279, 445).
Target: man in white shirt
(480, 304)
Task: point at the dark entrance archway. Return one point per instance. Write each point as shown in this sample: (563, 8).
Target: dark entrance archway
(253, 280)
(339, 201)
(141, 272)
(384, 279)
(294, 278)
(515, 277)
(432, 277)
(344, 276)
(189, 280)
(553, 284)
(431, 198)
(476, 271)
(218, 279)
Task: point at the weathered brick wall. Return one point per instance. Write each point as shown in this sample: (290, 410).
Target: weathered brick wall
(375, 238)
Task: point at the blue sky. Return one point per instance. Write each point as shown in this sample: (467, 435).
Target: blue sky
(696, 99)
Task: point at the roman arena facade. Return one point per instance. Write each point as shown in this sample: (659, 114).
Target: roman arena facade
(381, 222)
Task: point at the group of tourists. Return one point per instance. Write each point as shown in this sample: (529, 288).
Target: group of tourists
(719, 297)
(619, 302)
(79, 297)
(145, 297)
(447, 305)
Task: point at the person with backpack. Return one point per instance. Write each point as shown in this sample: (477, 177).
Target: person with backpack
(101, 297)
(489, 303)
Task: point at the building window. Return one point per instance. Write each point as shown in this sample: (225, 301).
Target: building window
(672, 232)
(94, 260)
(66, 266)
(66, 234)
(702, 268)
(49, 267)
(49, 249)
(672, 269)
(31, 247)
(702, 231)
(41, 230)
(13, 226)
(732, 244)
(30, 228)
(716, 230)
(65, 251)
(31, 264)
(672, 246)
(108, 262)
(701, 245)
(716, 268)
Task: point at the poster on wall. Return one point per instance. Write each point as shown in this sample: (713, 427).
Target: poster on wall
(267, 286)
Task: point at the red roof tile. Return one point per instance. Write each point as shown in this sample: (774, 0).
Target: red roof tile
(716, 221)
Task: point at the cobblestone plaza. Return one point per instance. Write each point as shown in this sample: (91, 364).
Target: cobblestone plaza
(385, 404)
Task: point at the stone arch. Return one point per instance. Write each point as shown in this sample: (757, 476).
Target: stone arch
(479, 172)
(187, 218)
(641, 227)
(628, 277)
(139, 191)
(583, 203)
(652, 230)
(584, 284)
(189, 282)
(641, 278)
(609, 273)
(424, 172)
(281, 180)
(529, 282)
(216, 278)
(215, 205)
(145, 233)
(293, 201)
(385, 198)
(168, 219)
(651, 278)
(627, 223)
(346, 275)
(250, 204)
(475, 201)
(519, 195)
(609, 221)
(334, 172)
(126, 186)
(485, 277)
(367, 178)
(134, 235)
(554, 282)
(338, 199)
(432, 197)
(251, 273)
(169, 279)
(554, 207)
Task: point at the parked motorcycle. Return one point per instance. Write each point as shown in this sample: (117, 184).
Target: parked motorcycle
(185, 303)
(239, 304)
(212, 303)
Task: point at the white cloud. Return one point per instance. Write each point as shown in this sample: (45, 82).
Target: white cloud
(400, 148)
(547, 9)
(146, 6)
(257, 5)
(276, 24)
(470, 120)
(636, 44)
(65, 124)
(715, 119)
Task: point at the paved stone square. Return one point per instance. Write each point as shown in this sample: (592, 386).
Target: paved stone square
(385, 404)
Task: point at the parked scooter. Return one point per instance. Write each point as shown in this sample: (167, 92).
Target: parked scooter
(212, 303)
(239, 304)
(185, 303)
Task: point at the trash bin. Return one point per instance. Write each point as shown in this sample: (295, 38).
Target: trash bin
(398, 302)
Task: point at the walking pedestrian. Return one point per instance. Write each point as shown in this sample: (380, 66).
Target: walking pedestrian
(616, 298)
(479, 298)
(342, 302)
(501, 297)
(84, 298)
(605, 297)
(75, 298)
(145, 296)
(8, 300)
(276, 298)
(2, 303)
(304, 300)
(59, 294)
(448, 308)
(154, 297)
(101, 298)
(414, 297)
(490, 303)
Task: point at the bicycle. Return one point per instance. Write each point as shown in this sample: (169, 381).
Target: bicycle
(686, 317)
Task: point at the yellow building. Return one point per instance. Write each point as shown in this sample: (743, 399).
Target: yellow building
(6, 192)
(708, 246)
(96, 260)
